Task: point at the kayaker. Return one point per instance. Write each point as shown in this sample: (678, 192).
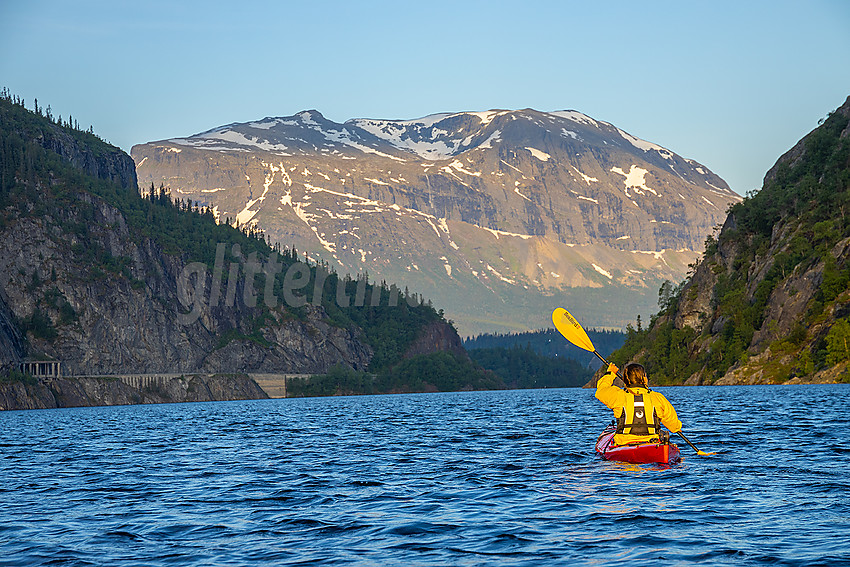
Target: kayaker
(640, 412)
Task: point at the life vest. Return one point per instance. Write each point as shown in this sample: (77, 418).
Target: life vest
(638, 416)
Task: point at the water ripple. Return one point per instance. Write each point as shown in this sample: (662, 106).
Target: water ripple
(501, 478)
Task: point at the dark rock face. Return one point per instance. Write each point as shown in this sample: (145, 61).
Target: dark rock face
(124, 327)
(20, 396)
(56, 280)
(12, 347)
(84, 392)
(437, 336)
(106, 162)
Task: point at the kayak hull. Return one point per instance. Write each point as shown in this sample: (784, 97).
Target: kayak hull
(645, 453)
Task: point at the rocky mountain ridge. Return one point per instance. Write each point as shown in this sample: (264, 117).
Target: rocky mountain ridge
(515, 208)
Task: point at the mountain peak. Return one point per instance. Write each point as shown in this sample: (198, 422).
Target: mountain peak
(509, 203)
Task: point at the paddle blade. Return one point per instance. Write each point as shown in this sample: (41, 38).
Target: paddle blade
(571, 329)
(699, 451)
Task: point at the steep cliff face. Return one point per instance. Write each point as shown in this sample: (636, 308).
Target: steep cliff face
(770, 299)
(515, 208)
(96, 158)
(108, 323)
(438, 336)
(12, 344)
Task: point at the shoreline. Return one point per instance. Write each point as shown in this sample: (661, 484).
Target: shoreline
(98, 391)
(91, 391)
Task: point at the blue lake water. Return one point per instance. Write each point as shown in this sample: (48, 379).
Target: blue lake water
(477, 478)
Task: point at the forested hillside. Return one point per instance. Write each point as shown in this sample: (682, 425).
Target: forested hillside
(90, 272)
(769, 300)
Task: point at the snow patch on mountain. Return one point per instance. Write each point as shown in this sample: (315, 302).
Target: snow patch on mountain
(576, 116)
(518, 192)
(444, 226)
(265, 124)
(307, 118)
(497, 233)
(246, 215)
(488, 143)
(587, 178)
(605, 273)
(446, 265)
(658, 255)
(458, 165)
(309, 218)
(635, 179)
(542, 156)
(487, 117)
(644, 145)
(345, 137)
(416, 136)
(500, 276)
(234, 137)
(426, 138)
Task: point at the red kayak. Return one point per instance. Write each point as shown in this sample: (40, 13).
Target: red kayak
(665, 453)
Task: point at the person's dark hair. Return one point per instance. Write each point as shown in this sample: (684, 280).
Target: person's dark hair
(634, 375)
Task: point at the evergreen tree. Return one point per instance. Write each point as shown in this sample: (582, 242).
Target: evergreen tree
(838, 342)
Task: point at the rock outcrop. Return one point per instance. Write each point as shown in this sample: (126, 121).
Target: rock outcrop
(438, 336)
(97, 158)
(12, 344)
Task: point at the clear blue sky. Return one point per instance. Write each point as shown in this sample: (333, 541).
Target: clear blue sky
(731, 84)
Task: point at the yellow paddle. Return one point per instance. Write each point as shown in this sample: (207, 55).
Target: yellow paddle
(694, 447)
(573, 332)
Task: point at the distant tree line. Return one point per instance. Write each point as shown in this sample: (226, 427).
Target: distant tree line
(441, 371)
(522, 367)
(488, 369)
(551, 344)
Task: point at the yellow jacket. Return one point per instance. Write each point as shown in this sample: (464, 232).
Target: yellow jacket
(615, 398)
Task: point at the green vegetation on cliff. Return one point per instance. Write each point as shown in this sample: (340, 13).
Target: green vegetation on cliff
(769, 299)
